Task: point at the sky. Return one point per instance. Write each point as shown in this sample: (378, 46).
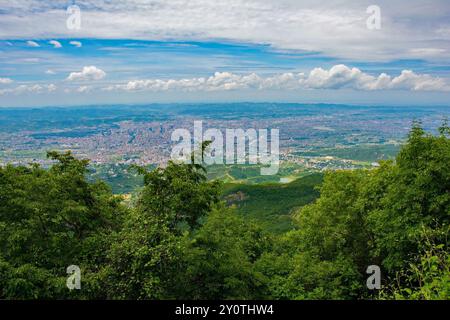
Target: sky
(129, 51)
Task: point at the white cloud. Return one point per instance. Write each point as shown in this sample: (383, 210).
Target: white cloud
(55, 44)
(337, 77)
(84, 89)
(51, 87)
(77, 44)
(31, 60)
(33, 44)
(29, 88)
(336, 28)
(427, 52)
(50, 71)
(411, 81)
(341, 76)
(88, 73)
(5, 80)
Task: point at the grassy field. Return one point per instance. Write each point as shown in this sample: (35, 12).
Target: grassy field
(367, 153)
(251, 174)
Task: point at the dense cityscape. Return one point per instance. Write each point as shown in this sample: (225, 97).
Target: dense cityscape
(316, 137)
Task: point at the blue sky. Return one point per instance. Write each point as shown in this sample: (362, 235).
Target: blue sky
(158, 51)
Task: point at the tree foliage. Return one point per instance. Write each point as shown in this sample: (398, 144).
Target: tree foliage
(180, 241)
(50, 219)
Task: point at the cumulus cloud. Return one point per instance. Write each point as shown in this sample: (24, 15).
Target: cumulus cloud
(55, 44)
(337, 77)
(77, 44)
(88, 73)
(33, 44)
(50, 71)
(5, 80)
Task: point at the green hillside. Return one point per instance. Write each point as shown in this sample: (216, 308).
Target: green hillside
(272, 203)
(177, 240)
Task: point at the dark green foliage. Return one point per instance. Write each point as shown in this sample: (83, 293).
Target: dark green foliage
(180, 241)
(140, 258)
(428, 274)
(326, 256)
(146, 252)
(119, 176)
(374, 217)
(410, 194)
(50, 219)
(218, 260)
(272, 204)
(179, 193)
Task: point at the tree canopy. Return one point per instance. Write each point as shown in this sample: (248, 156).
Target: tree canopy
(179, 240)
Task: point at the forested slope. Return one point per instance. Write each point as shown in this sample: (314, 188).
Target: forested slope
(179, 240)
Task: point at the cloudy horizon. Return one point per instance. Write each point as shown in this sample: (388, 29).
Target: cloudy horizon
(234, 50)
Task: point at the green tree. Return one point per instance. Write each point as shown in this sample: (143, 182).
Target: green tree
(370, 217)
(179, 193)
(146, 253)
(428, 276)
(218, 259)
(412, 194)
(326, 256)
(50, 219)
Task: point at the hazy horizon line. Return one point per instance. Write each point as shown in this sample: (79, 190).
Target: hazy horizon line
(97, 105)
